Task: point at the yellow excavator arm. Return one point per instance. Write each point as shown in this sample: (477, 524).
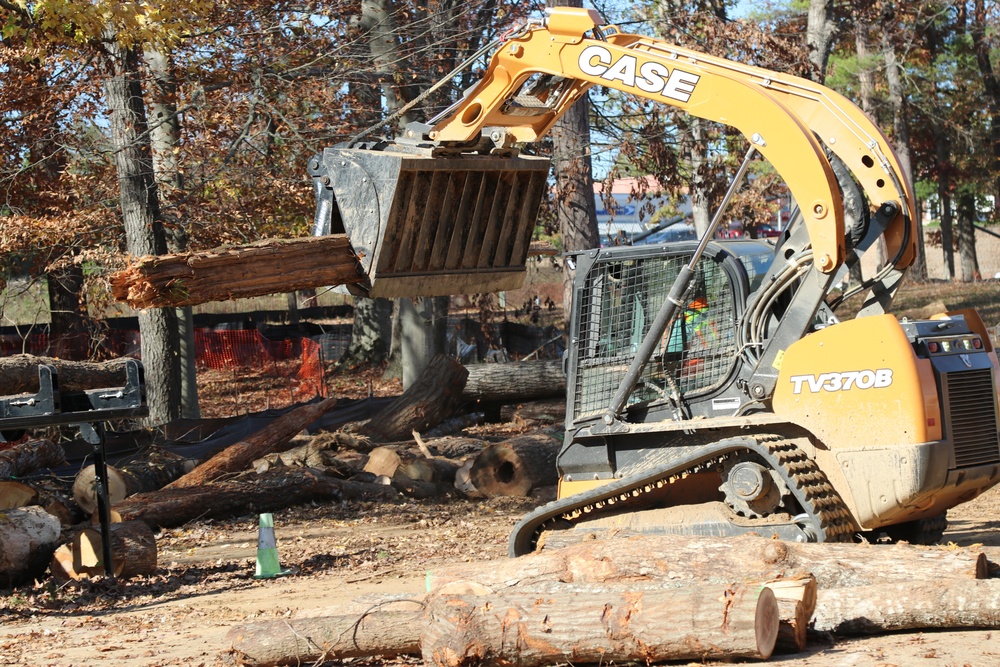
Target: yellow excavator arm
(538, 74)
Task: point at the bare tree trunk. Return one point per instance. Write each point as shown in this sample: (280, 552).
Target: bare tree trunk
(371, 333)
(947, 227)
(424, 322)
(901, 134)
(866, 77)
(576, 211)
(144, 233)
(967, 237)
(819, 34)
(164, 135)
(983, 47)
(66, 306)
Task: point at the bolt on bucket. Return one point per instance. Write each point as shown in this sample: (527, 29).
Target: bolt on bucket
(430, 226)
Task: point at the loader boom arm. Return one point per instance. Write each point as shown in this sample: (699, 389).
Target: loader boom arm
(539, 73)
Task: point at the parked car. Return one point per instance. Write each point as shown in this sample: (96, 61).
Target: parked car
(767, 231)
(678, 232)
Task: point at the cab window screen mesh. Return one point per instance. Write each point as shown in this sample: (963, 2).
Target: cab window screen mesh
(618, 304)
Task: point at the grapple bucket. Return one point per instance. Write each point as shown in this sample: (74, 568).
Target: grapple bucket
(431, 226)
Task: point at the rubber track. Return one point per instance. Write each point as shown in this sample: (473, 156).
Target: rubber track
(829, 518)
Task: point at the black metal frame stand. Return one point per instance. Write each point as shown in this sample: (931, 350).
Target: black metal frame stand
(89, 411)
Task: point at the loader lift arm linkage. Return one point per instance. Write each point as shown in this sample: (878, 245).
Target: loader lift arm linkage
(788, 119)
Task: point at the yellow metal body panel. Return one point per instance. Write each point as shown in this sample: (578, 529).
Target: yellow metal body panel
(571, 488)
(781, 115)
(858, 383)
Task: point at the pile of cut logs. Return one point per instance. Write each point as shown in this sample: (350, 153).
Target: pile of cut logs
(644, 598)
(382, 459)
(628, 598)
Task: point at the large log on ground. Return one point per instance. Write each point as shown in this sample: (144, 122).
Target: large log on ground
(266, 267)
(19, 374)
(385, 630)
(516, 381)
(29, 457)
(431, 399)
(746, 558)
(929, 604)
(516, 466)
(153, 470)
(270, 491)
(526, 629)
(274, 437)
(28, 537)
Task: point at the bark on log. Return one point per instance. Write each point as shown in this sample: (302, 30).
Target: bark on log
(435, 395)
(515, 382)
(271, 491)
(930, 604)
(153, 470)
(317, 452)
(19, 374)
(133, 553)
(516, 466)
(30, 456)
(133, 550)
(746, 558)
(276, 436)
(386, 630)
(523, 628)
(28, 537)
(266, 267)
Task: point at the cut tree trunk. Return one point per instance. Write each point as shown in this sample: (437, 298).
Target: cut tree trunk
(412, 464)
(431, 399)
(525, 629)
(49, 492)
(927, 604)
(28, 537)
(16, 494)
(266, 267)
(515, 382)
(516, 466)
(19, 374)
(382, 461)
(746, 558)
(30, 456)
(133, 552)
(386, 630)
(270, 491)
(154, 470)
(276, 436)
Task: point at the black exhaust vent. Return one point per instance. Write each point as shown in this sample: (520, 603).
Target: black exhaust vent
(970, 427)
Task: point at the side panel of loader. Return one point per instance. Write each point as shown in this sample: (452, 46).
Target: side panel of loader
(430, 226)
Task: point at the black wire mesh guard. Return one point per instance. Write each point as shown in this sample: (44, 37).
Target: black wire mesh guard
(620, 298)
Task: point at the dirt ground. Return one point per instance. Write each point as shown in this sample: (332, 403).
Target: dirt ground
(342, 552)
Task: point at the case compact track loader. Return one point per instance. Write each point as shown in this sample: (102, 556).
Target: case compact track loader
(711, 389)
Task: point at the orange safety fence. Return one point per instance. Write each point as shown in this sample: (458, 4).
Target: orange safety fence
(298, 362)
